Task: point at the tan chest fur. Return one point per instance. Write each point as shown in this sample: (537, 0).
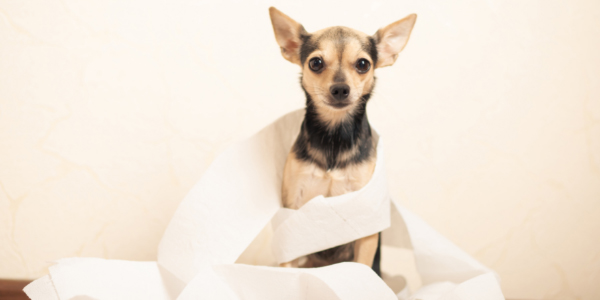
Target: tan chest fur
(304, 180)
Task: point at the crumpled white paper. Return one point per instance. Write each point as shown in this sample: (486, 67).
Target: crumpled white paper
(236, 206)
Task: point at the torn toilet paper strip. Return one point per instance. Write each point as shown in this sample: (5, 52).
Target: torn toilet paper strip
(234, 200)
(232, 204)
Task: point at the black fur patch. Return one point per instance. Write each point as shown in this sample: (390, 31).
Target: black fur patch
(371, 48)
(334, 142)
(309, 45)
(377, 259)
(342, 253)
(330, 256)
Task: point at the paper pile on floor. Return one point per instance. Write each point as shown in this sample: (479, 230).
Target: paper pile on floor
(233, 215)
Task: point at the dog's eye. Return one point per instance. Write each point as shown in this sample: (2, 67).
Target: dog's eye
(316, 64)
(362, 66)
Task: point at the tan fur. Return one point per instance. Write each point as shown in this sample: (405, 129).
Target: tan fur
(392, 39)
(339, 48)
(287, 32)
(303, 181)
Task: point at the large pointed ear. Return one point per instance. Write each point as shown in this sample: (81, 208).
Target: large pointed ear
(287, 34)
(392, 39)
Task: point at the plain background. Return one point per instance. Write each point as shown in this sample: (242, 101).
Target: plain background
(111, 110)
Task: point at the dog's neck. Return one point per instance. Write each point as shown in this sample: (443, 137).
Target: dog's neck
(335, 146)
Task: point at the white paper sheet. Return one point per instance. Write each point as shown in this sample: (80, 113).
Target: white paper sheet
(234, 204)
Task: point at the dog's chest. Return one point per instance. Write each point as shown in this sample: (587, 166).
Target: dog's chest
(304, 181)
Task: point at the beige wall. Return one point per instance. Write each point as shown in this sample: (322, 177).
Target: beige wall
(110, 111)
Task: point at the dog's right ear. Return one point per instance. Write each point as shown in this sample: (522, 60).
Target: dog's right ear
(287, 34)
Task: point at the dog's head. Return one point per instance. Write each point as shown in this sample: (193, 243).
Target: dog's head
(338, 62)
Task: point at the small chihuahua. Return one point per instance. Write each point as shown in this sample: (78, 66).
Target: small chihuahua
(335, 151)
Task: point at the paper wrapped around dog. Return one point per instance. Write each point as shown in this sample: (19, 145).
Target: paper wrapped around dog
(233, 215)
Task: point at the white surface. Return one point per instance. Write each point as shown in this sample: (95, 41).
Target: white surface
(225, 212)
(110, 111)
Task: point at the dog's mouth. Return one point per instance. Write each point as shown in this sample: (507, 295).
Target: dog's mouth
(338, 104)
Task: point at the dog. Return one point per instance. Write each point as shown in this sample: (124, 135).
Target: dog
(335, 151)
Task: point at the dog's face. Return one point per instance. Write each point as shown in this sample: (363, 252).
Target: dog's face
(337, 68)
(338, 63)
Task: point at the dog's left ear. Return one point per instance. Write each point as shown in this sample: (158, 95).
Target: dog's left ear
(392, 39)
(287, 34)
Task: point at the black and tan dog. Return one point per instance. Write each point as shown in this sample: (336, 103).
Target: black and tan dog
(335, 151)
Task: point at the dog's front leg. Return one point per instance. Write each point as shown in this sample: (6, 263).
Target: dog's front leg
(292, 264)
(365, 248)
(291, 195)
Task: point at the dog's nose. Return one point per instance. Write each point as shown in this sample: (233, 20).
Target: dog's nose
(340, 91)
